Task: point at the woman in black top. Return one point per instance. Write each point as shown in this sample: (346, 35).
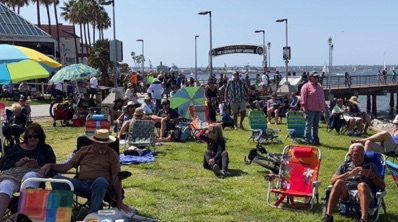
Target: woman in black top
(23, 161)
(215, 156)
(212, 96)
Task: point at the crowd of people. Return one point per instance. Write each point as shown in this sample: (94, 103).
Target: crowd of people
(99, 167)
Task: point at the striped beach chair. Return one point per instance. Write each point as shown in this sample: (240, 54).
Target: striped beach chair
(97, 121)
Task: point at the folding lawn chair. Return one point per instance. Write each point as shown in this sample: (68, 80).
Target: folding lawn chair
(141, 134)
(295, 126)
(374, 209)
(260, 132)
(110, 197)
(2, 116)
(393, 169)
(46, 205)
(97, 121)
(297, 180)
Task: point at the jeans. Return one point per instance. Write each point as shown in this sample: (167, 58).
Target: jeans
(97, 188)
(312, 126)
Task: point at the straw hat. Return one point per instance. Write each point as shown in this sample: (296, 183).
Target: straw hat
(147, 97)
(354, 100)
(129, 85)
(139, 112)
(395, 121)
(102, 136)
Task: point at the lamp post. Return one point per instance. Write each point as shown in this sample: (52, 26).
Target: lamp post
(330, 62)
(269, 54)
(114, 38)
(287, 58)
(143, 58)
(196, 59)
(211, 47)
(264, 49)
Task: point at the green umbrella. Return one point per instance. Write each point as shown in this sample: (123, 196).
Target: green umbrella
(74, 72)
(185, 97)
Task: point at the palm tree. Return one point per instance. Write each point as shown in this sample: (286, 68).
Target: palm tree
(69, 14)
(38, 11)
(55, 4)
(15, 3)
(103, 23)
(99, 58)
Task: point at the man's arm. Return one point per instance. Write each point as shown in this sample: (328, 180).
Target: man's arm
(56, 167)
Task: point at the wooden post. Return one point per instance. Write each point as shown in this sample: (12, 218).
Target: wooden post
(396, 109)
(374, 104)
(368, 103)
(391, 100)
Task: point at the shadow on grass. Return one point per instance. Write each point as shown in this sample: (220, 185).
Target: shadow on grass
(236, 172)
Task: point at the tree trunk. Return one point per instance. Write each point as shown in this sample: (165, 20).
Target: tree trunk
(49, 19)
(76, 48)
(81, 43)
(38, 13)
(57, 25)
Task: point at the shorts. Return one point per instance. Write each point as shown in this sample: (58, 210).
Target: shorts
(353, 196)
(238, 107)
(348, 117)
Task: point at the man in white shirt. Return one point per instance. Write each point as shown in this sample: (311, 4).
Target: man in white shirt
(93, 86)
(265, 80)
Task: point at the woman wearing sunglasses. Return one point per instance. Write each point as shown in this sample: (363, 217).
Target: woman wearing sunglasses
(23, 161)
(215, 157)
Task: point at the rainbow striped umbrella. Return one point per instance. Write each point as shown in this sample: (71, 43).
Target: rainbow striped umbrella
(19, 63)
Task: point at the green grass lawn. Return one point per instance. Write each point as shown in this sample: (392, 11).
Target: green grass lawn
(176, 187)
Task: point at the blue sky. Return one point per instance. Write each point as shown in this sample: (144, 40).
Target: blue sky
(363, 31)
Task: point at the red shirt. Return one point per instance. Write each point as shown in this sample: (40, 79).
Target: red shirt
(312, 97)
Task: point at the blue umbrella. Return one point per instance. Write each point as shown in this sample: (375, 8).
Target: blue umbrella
(185, 97)
(74, 72)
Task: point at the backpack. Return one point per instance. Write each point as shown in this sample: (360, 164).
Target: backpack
(185, 133)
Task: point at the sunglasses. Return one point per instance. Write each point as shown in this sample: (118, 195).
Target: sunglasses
(165, 104)
(212, 131)
(33, 136)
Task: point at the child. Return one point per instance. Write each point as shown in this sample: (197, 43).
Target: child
(226, 118)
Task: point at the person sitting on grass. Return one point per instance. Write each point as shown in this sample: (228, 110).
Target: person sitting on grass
(226, 119)
(382, 142)
(85, 104)
(273, 106)
(15, 124)
(140, 115)
(216, 156)
(354, 181)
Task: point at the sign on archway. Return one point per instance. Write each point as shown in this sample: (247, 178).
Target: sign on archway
(232, 49)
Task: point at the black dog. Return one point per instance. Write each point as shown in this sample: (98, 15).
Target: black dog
(254, 152)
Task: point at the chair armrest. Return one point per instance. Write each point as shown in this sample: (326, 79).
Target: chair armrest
(316, 183)
(381, 194)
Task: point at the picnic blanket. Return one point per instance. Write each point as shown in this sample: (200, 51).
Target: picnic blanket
(128, 159)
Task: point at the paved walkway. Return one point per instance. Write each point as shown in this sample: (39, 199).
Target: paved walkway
(43, 110)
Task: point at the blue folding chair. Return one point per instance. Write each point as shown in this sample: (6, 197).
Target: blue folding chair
(374, 209)
(260, 131)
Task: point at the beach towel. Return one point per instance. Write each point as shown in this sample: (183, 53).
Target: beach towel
(128, 159)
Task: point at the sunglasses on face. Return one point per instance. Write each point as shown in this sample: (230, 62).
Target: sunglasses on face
(212, 131)
(33, 136)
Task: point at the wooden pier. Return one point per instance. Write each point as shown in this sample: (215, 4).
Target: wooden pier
(370, 86)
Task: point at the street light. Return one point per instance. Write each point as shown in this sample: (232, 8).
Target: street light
(114, 39)
(143, 58)
(264, 49)
(330, 62)
(269, 54)
(287, 57)
(196, 59)
(211, 47)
